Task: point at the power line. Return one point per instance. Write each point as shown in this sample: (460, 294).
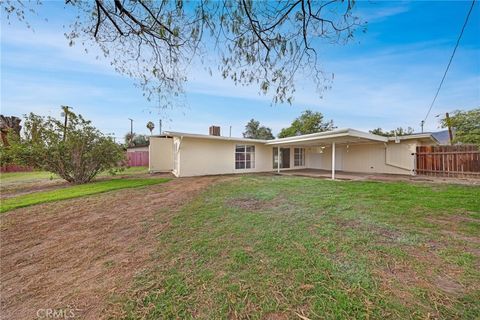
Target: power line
(449, 63)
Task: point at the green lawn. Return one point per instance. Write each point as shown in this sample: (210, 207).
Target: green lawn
(22, 176)
(262, 247)
(75, 192)
(42, 175)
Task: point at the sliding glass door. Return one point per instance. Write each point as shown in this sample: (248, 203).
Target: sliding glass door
(284, 158)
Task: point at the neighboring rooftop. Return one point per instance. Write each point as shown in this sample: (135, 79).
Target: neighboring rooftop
(442, 136)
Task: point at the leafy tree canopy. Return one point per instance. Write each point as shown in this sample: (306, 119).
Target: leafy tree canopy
(254, 130)
(150, 126)
(136, 140)
(466, 125)
(78, 158)
(399, 132)
(308, 122)
(262, 43)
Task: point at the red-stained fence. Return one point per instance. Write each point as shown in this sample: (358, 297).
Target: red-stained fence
(449, 161)
(137, 159)
(15, 168)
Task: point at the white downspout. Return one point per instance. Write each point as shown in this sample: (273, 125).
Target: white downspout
(178, 156)
(333, 160)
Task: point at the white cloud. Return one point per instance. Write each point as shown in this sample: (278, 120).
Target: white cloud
(376, 14)
(49, 50)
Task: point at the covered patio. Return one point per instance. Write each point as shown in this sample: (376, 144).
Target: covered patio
(317, 143)
(349, 176)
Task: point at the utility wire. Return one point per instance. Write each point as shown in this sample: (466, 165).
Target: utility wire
(449, 62)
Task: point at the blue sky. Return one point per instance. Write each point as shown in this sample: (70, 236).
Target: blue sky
(385, 78)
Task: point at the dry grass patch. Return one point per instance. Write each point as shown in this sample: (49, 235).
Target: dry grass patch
(79, 252)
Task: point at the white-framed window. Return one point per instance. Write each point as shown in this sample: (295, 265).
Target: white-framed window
(299, 157)
(244, 156)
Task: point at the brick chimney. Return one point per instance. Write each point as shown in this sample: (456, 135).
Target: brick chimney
(214, 131)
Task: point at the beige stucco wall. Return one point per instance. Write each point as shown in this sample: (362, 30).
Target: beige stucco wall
(392, 158)
(189, 156)
(198, 157)
(160, 154)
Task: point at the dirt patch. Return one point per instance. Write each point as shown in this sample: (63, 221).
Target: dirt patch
(79, 252)
(276, 316)
(423, 269)
(382, 233)
(452, 220)
(451, 227)
(449, 285)
(458, 236)
(438, 278)
(14, 190)
(250, 204)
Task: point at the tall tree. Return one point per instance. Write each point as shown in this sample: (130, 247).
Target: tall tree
(254, 130)
(308, 122)
(135, 140)
(150, 126)
(466, 124)
(262, 43)
(399, 132)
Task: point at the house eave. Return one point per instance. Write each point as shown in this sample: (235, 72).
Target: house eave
(329, 136)
(205, 136)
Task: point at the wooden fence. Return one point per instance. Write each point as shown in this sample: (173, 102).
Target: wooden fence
(448, 161)
(15, 168)
(137, 159)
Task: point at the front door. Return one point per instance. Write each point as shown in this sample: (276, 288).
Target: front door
(284, 158)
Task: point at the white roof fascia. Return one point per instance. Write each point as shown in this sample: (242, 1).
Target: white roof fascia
(328, 135)
(206, 136)
(415, 136)
(339, 133)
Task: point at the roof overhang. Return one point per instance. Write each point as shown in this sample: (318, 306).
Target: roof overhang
(418, 136)
(346, 136)
(339, 136)
(210, 137)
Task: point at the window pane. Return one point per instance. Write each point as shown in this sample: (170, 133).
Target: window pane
(239, 156)
(244, 156)
(299, 157)
(239, 165)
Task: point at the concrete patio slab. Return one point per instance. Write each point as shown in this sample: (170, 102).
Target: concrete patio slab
(360, 176)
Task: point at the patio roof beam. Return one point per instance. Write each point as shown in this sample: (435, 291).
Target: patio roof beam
(333, 160)
(278, 159)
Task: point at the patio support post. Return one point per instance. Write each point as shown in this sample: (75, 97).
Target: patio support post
(278, 159)
(333, 160)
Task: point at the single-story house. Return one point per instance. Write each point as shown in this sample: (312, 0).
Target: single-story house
(349, 150)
